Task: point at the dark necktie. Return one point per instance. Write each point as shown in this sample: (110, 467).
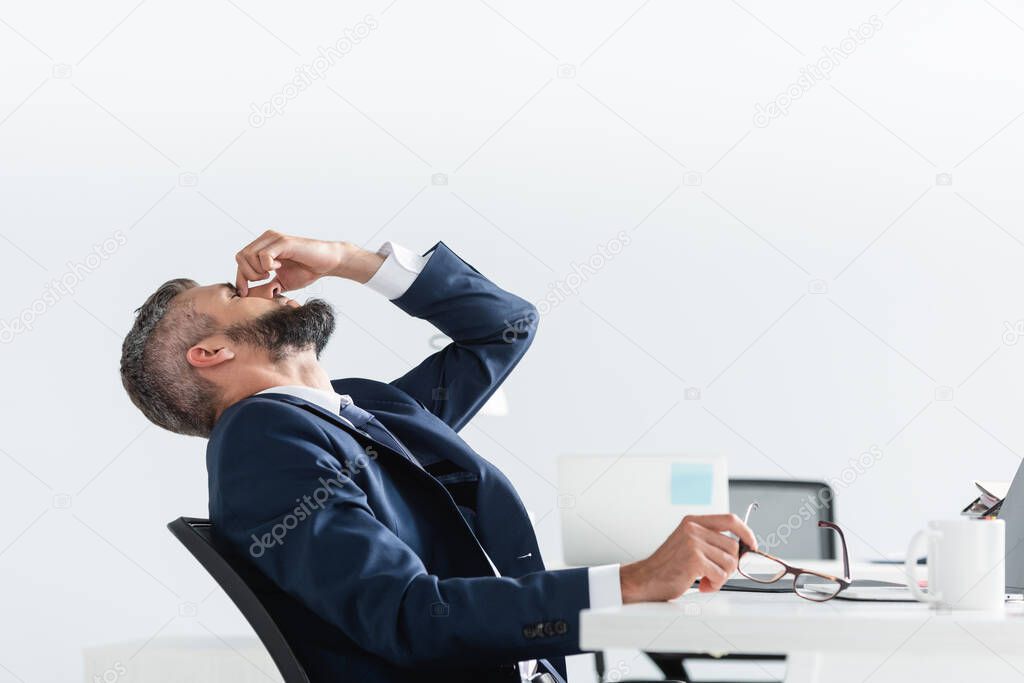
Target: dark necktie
(366, 422)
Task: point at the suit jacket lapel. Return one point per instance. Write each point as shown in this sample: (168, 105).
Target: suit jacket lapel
(337, 419)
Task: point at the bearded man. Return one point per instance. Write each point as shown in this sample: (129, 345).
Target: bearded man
(405, 555)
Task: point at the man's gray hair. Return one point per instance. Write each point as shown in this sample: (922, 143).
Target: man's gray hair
(154, 369)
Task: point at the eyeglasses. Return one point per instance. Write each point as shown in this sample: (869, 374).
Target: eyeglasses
(816, 586)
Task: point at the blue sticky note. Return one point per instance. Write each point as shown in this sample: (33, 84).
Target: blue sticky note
(692, 483)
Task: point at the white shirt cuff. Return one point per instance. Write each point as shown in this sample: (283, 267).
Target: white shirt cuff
(605, 587)
(400, 269)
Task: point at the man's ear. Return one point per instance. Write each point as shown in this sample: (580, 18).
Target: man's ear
(209, 353)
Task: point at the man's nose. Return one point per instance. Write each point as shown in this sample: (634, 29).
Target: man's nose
(267, 291)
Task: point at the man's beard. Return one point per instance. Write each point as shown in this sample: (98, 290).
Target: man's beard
(287, 329)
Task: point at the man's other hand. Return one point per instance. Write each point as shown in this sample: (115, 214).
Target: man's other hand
(301, 261)
(697, 549)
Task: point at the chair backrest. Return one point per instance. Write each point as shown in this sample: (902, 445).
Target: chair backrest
(244, 585)
(786, 520)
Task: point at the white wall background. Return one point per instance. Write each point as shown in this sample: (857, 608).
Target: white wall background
(812, 278)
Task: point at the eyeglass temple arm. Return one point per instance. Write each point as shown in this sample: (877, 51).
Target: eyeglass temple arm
(750, 508)
(842, 540)
(746, 518)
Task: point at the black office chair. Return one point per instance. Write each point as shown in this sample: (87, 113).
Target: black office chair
(778, 500)
(246, 587)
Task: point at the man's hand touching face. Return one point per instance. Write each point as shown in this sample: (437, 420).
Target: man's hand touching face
(298, 261)
(301, 261)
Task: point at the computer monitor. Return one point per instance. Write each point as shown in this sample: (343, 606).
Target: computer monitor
(787, 516)
(617, 508)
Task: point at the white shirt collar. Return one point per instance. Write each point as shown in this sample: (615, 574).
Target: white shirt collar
(328, 400)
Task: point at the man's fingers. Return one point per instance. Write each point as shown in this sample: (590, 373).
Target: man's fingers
(255, 267)
(719, 540)
(241, 283)
(268, 260)
(271, 254)
(727, 522)
(263, 240)
(246, 269)
(722, 559)
(245, 274)
(715, 575)
(251, 265)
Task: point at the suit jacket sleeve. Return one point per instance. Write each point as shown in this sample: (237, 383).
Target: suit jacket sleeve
(491, 329)
(352, 570)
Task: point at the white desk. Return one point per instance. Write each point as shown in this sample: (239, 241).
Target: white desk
(835, 641)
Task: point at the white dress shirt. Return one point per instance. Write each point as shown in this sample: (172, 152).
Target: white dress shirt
(400, 269)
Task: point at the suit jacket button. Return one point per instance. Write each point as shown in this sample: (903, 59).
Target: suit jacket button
(529, 633)
(549, 629)
(561, 628)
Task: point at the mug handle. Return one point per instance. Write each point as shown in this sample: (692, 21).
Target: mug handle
(910, 563)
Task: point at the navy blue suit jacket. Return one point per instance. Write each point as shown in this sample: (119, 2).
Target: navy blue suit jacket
(383, 553)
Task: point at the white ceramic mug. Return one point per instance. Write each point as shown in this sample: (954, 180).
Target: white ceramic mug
(965, 563)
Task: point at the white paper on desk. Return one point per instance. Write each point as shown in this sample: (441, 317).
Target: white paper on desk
(871, 593)
(878, 594)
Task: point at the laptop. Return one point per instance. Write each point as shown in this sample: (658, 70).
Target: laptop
(1011, 511)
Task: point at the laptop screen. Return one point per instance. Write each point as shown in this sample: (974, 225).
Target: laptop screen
(1012, 514)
